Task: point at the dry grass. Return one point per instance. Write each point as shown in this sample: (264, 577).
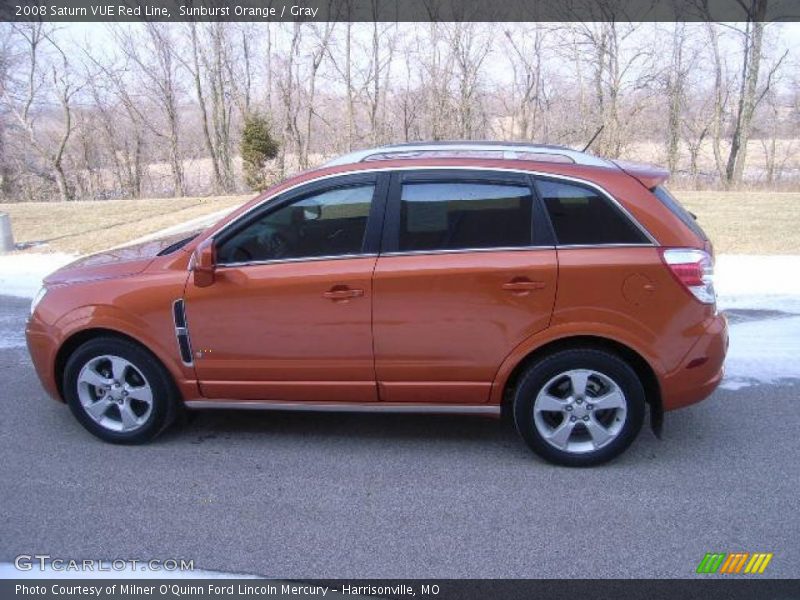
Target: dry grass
(737, 222)
(85, 227)
(748, 222)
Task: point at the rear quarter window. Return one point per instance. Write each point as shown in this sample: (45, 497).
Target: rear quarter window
(582, 216)
(677, 209)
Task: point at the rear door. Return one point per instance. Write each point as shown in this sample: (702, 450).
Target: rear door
(467, 271)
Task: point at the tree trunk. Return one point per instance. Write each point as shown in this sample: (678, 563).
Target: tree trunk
(747, 97)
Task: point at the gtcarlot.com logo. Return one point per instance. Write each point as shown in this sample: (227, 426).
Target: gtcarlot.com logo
(735, 563)
(45, 562)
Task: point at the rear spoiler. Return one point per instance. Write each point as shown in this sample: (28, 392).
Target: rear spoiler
(649, 176)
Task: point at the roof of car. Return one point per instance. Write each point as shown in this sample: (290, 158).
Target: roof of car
(472, 149)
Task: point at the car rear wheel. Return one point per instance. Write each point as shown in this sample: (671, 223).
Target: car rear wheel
(118, 391)
(579, 407)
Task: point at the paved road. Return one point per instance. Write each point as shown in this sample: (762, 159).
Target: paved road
(303, 495)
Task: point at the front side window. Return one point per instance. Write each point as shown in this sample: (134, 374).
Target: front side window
(328, 223)
(452, 216)
(583, 216)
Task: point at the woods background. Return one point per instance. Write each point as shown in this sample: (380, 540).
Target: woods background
(102, 111)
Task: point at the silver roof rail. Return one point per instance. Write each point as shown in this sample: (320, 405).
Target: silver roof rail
(502, 150)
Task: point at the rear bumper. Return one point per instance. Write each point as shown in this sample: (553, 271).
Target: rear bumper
(701, 370)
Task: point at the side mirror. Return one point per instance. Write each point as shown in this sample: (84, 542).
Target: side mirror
(204, 263)
(312, 213)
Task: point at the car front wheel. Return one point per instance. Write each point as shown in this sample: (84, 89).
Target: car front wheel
(579, 407)
(119, 391)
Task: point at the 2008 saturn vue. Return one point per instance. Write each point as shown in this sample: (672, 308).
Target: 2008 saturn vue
(568, 291)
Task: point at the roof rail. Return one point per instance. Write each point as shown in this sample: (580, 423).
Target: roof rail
(466, 149)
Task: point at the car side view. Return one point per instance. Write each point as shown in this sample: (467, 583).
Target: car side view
(565, 290)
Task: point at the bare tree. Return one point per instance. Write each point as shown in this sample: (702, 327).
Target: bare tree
(469, 47)
(319, 50)
(525, 51)
(122, 123)
(213, 75)
(378, 75)
(5, 67)
(437, 64)
(751, 91)
(120, 119)
(154, 55)
(613, 71)
(676, 94)
(288, 89)
(42, 77)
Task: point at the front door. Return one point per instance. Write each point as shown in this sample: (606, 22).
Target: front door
(289, 315)
(469, 272)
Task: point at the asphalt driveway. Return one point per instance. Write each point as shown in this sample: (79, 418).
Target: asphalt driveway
(303, 495)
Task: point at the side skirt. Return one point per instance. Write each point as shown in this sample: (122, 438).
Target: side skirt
(368, 407)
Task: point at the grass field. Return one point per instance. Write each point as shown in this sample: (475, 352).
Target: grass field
(748, 222)
(737, 222)
(84, 227)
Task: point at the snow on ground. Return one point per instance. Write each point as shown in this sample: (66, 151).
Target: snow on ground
(764, 347)
(758, 282)
(763, 351)
(21, 274)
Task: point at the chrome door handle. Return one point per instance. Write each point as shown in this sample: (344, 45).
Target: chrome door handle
(338, 293)
(523, 285)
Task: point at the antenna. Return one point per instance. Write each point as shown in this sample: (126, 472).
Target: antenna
(594, 137)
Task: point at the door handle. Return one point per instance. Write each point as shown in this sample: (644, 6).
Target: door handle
(342, 293)
(522, 286)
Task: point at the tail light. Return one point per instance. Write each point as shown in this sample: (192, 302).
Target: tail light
(694, 269)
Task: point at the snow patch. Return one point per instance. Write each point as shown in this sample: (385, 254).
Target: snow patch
(764, 351)
(21, 274)
(758, 282)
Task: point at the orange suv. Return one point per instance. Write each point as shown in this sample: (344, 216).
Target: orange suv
(560, 288)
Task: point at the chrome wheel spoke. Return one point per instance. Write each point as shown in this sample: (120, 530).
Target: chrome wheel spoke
(613, 399)
(142, 393)
(578, 380)
(91, 377)
(97, 410)
(599, 434)
(559, 436)
(118, 367)
(129, 418)
(549, 403)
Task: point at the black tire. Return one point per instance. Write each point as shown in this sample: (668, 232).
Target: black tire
(547, 371)
(165, 397)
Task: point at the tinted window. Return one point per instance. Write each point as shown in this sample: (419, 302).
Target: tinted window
(451, 216)
(329, 223)
(677, 209)
(581, 215)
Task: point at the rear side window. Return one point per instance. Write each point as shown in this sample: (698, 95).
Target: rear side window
(677, 209)
(583, 216)
(452, 216)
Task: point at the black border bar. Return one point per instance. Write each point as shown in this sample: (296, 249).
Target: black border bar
(733, 588)
(399, 10)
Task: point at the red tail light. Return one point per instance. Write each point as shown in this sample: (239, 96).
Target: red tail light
(694, 269)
